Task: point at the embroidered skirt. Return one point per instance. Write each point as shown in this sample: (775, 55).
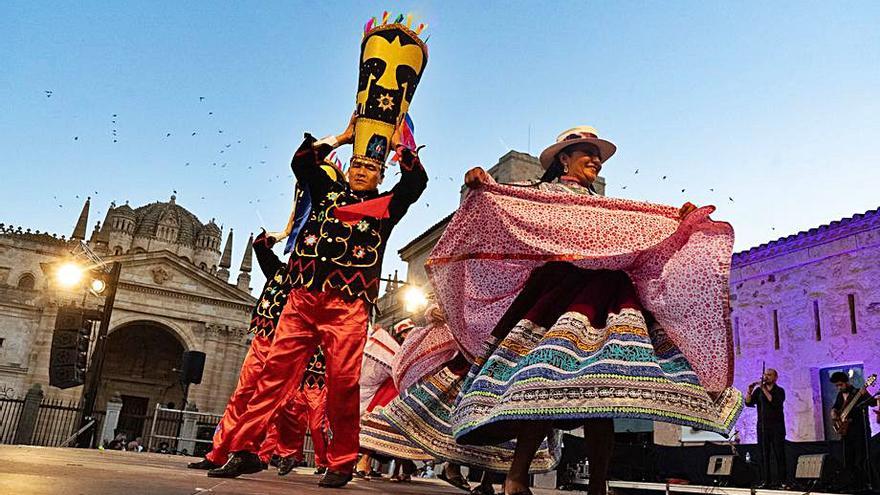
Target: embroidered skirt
(422, 413)
(577, 344)
(379, 436)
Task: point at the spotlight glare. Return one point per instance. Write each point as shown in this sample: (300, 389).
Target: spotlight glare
(69, 274)
(414, 299)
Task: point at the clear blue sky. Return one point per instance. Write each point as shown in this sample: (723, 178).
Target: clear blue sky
(773, 104)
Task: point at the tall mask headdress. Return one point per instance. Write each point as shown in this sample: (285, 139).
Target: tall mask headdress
(393, 58)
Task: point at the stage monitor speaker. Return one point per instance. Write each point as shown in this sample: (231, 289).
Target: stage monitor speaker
(810, 466)
(192, 365)
(720, 465)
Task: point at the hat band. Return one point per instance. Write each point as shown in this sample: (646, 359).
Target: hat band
(579, 135)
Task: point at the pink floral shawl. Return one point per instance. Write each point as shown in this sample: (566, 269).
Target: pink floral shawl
(680, 268)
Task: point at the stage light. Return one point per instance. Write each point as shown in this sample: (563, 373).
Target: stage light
(414, 299)
(98, 286)
(69, 274)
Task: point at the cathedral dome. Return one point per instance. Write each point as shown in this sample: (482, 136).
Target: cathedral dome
(168, 221)
(123, 210)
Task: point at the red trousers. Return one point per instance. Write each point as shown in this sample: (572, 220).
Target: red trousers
(247, 382)
(286, 438)
(310, 319)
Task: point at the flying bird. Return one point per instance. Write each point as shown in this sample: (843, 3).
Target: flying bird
(201, 98)
(663, 178)
(75, 138)
(168, 135)
(731, 199)
(637, 171)
(193, 133)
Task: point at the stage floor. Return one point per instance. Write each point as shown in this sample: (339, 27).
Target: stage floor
(626, 486)
(26, 470)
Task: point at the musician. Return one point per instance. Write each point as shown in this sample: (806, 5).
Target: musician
(854, 434)
(769, 399)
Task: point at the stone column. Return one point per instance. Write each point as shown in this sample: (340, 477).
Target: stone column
(27, 422)
(188, 430)
(111, 419)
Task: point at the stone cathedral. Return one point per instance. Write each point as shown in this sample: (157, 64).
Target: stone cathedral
(174, 294)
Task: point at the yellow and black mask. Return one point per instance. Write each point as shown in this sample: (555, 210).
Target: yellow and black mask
(393, 58)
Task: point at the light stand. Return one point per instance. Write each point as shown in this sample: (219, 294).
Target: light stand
(96, 365)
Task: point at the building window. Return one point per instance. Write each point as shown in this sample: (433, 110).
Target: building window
(851, 299)
(27, 282)
(775, 329)
(1, 341)
(736, 341)
(817, 322)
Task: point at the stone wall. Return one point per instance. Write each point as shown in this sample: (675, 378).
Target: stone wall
(796, 279)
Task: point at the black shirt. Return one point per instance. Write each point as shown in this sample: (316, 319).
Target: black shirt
(771, 414)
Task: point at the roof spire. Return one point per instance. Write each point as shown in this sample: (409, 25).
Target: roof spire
(247, 260)
(244, 277)
(226, 259)
(79, 232)
(104, 234)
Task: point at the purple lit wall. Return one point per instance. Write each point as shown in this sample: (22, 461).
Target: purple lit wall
(803, 303)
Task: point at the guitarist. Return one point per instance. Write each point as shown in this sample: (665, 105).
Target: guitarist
(854, 431)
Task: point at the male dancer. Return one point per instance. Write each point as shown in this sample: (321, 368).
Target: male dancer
(335, 273)
(264, 319)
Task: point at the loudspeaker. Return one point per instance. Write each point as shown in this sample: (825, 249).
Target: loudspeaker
(68, 355)
(192, 364)
(720, 465)
(730, 470)
(810, 467)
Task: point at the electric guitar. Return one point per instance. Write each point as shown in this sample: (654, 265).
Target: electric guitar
(843, 420)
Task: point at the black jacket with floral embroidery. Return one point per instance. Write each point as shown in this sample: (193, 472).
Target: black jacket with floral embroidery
(343, 249)
(264, 317)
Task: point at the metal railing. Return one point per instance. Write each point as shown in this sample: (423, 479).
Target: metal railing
(56, 420)
(10, 413)
(192, 432)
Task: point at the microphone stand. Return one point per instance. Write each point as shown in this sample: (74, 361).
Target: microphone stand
(866, 438)
(762, 439)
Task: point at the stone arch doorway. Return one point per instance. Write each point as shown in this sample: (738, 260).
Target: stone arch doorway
(139, 369)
